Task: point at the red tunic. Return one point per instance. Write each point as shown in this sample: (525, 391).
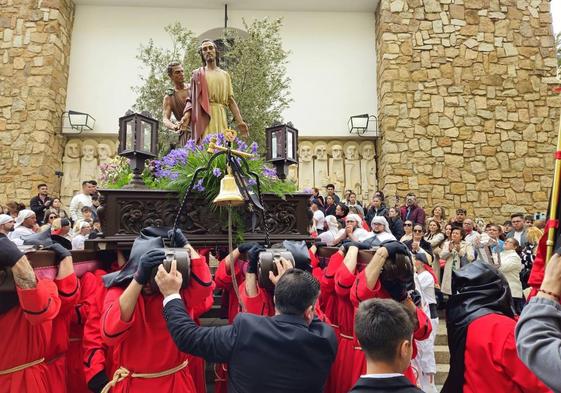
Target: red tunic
(348, 358)
(361, 292)
(143, 344)
(224, 281)
(96, 355)
(26, 331)
(327, 287)
(75, 377)
(69, 292)
(491, 362)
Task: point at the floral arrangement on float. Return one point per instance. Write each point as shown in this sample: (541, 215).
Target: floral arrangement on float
(175, 171)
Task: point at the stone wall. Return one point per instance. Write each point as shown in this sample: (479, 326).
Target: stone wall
(34, 50)
(466, 109)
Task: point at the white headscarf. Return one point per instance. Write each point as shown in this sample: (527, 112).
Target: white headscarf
(4, 219)
(387, 234)
(381, 220)
(23, 215)
(356, 218)
(332, 223)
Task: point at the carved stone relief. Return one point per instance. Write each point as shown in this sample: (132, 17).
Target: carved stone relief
(81, 161)
(348, 164)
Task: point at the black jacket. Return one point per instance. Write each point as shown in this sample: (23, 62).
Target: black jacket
(265, 354)
(385, 385)
(39, 207)
(373, 212)
(396, 227)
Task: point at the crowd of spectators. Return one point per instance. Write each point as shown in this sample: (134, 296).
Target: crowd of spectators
(45, 212)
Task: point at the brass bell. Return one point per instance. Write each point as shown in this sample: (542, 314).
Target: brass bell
(229, 192)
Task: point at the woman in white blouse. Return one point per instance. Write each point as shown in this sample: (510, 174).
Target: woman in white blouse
(510, 265)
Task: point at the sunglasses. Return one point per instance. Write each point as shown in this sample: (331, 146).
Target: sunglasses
(52, 217)
(407, 225)
(418, 230)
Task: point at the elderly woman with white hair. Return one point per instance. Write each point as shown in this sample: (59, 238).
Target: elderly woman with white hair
(330, 235)
(353, 230)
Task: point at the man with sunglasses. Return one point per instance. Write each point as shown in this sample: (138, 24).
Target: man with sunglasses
(412, 211)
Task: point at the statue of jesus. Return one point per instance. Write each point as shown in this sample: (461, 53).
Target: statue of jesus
(211, 93)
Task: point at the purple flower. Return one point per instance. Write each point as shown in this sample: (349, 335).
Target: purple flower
(174, 157)
(269, 172)
(307, 190)
(220, 139)
(241, 145)
(199, 186)
(251, 182)
(206, 139)
(162, 173)
(217, 172)
(254, 146)
(191, 145)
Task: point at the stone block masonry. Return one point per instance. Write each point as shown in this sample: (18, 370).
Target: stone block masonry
(34, 52)
(466, 107)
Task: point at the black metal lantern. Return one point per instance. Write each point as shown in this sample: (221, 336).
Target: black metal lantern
(138, 141)
(282, 147)
(364, 124)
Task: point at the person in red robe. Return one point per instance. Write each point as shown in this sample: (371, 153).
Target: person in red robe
(26, 317)
(90, 282)
(145, 356)
(97, 357)
(389, 274)
(68, 287)
(481, 324)
(258, 300)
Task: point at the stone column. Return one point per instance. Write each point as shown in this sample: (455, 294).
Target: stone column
(34, 54)
(467, 114)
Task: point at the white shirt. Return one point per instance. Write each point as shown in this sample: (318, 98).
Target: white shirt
(518, 236)
(471, 237)
(78, 201)
(426, 282)
(361, 234)
(78, 242)
(171, 297)
(16, 234)
(328, 237)
(384, 236)
(510, 267)
(319, 219)
(388, 375)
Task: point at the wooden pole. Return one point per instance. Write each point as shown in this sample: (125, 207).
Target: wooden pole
(554, 202)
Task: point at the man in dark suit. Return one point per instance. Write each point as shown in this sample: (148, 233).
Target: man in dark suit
(384, 329)
(290, 352)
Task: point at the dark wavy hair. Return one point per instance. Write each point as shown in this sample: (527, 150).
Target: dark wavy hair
(215, 48)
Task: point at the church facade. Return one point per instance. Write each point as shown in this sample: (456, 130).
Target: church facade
(462, 91)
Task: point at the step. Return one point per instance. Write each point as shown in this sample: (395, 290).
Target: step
(441, 354)
(441, 373)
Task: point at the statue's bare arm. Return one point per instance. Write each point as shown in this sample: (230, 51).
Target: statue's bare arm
(166, 114)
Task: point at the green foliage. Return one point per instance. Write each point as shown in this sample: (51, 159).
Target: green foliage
(256, 63)
(258, 69)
